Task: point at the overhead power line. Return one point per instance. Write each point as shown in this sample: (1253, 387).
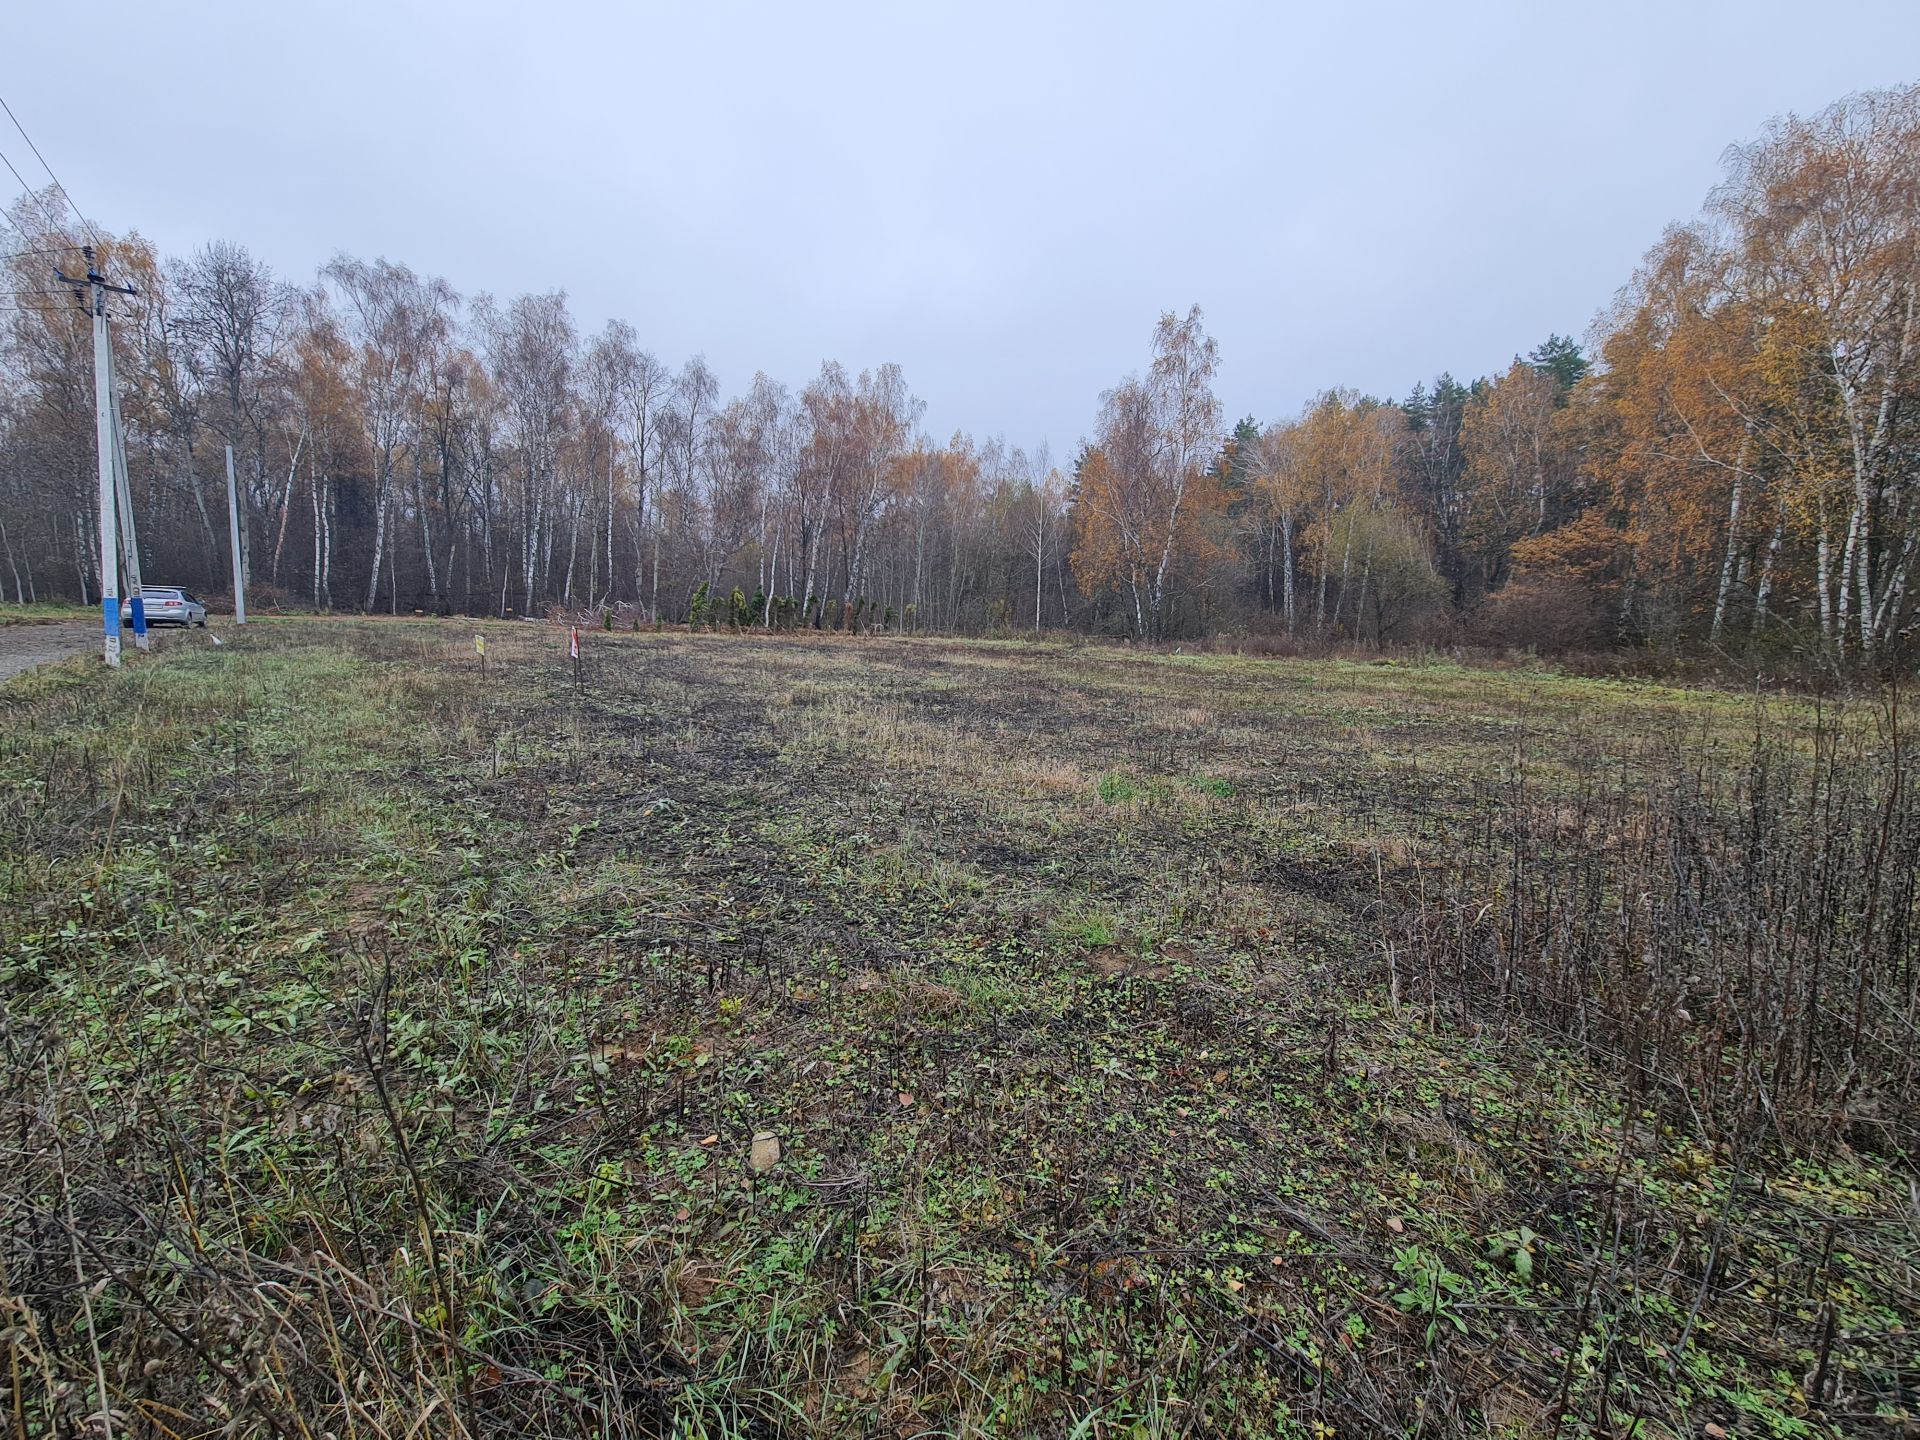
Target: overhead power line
(16, 174)
(77, 214)
(15, 224)
(57, 227)
(43, 250)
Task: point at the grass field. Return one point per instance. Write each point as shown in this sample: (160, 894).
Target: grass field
(43, 612)
(820, 1036)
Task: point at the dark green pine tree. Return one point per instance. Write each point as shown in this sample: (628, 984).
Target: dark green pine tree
(1560, 357)
(1080, 458)
(1236, 467)
(1438, 465)
(1419, 408)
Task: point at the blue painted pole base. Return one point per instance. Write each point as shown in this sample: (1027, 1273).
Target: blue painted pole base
(110, 617)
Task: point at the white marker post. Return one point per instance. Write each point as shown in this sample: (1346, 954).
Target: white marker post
(233, 531)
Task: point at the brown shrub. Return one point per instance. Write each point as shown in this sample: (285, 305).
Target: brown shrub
(1552, 614)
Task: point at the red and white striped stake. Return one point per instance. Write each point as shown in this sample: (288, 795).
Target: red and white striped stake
(573, 649)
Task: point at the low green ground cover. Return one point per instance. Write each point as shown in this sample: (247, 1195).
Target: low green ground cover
(387, 1037)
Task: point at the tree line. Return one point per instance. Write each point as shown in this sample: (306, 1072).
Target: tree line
(1730, 461)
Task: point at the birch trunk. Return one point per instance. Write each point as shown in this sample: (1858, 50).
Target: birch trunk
(1728, 562)
(379, 545)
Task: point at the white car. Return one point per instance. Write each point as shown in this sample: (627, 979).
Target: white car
(166, 605)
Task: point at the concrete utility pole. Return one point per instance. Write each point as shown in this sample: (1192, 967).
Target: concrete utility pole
(233, 533)
(129, 537)
(106, 441)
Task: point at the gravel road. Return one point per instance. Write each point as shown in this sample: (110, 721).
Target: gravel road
(24, 646)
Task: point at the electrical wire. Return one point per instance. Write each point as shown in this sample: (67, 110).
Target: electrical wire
(45, 209)
(16, 225)
(16, 174)
(49, 169)
(44, 250)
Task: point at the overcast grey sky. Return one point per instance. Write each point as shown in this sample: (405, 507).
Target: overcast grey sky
(1001, 197)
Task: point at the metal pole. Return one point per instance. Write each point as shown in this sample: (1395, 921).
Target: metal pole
(233, 531)
(129, 537)
(109, 495)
